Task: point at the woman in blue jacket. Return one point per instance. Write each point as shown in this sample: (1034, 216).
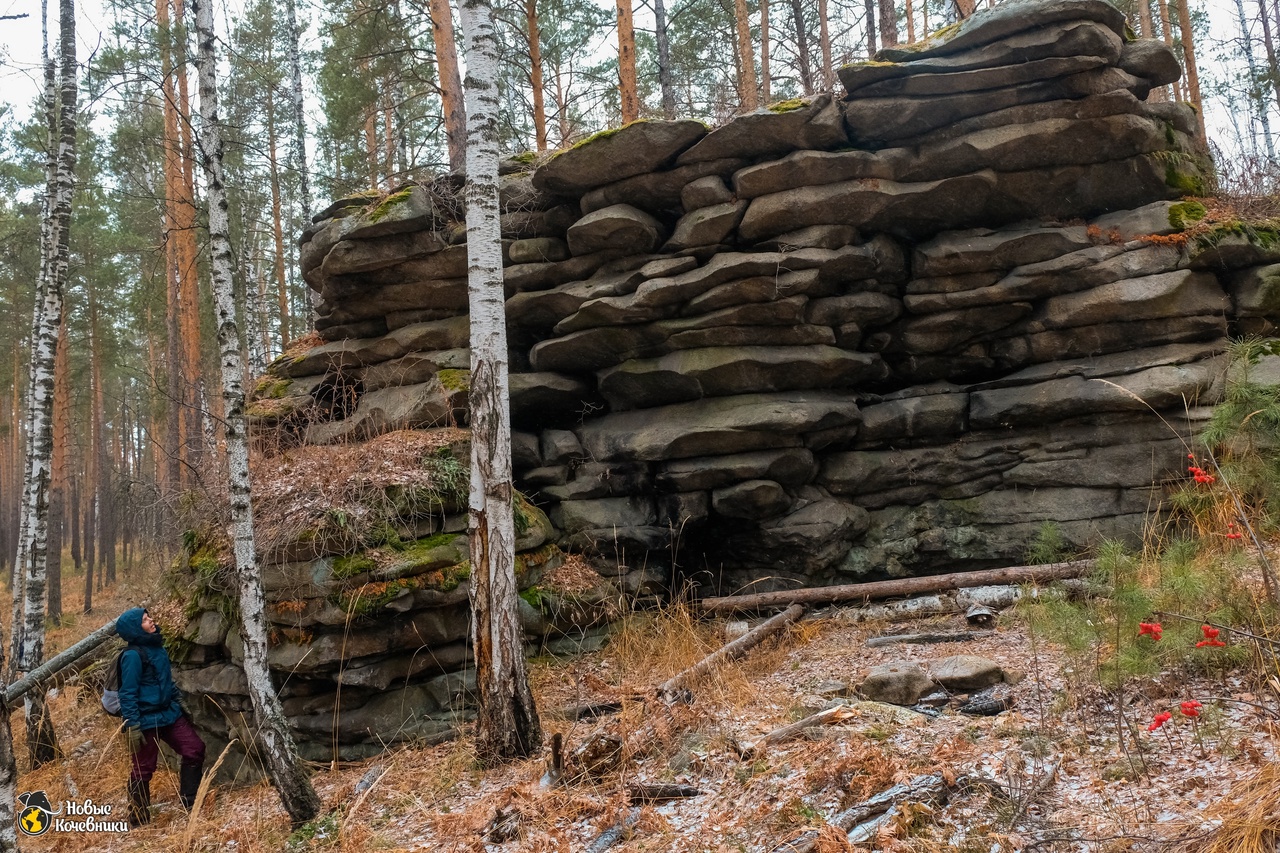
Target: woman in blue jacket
(151, 706)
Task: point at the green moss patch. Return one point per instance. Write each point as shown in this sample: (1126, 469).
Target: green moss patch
(788, 106)
(1184, 180)
(455, 380)
(1183, 214)
(352, 565)
(1264, 234)
(383, 209)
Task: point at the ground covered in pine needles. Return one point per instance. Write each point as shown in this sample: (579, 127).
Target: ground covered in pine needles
(1072, 765)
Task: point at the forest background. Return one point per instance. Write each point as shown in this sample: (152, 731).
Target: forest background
(136, 403)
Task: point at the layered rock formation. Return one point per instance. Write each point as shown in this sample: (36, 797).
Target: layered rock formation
(890, 330)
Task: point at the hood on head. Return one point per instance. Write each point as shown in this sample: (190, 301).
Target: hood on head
(129, 626)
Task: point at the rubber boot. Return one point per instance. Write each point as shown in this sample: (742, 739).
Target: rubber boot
(189, 784)
(139, 802)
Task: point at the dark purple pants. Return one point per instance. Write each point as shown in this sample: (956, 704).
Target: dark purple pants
(181, 736)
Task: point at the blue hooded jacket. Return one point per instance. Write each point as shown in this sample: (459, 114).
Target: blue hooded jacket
(148, 697)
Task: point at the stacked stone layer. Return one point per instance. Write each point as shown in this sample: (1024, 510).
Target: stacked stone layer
(884, 332)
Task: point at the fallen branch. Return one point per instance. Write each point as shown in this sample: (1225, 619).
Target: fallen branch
(730, 651)
(924, 639)
(823, 718)
(1025, 801)
(922, 789)
(640, 793)
(615, 833)
(47, 670)
(900, 587)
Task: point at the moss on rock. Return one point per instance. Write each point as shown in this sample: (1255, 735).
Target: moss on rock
(1184, 214)
(383, 208)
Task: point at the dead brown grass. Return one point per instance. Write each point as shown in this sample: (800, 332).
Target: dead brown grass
(1250, 816)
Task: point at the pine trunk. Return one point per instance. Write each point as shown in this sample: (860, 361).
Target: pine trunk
(824, 40)
(455, 114)
(275, 740)
(1189, 57)
(869, 5)
(802, 48)
(626, 68)
(535, 73)
(664, 60)
(765, 94)
(507, 727)
(1167, 29)
(748, 97)
(888, 24)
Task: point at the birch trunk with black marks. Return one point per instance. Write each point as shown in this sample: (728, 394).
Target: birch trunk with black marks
(1255, 76)
(274, 739)
(507, 727)
(41, 742)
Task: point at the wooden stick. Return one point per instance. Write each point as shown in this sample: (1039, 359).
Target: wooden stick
(57, 663)
(923, 789)
(923, 639)
(903, 586)
(831, 715)
(731, 651)
(1036, 790)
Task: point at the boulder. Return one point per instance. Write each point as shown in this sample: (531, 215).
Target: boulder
(636, 149)
(896, 684)
(981, 79)
(1256, 292)
(620, 228)
(918, 209)
(982, 249)
(814, 123)
(718, 425)
(723, 371)
(546, 397)
(752, 499)
(706, 226)
(790, 467)
(926, 416)
(965, 672)
(396, 407)
(659, 192)
(810, 540)
(603, 514)
(359, 256)
(1067, 39)
(535, 250)
(866, 309)
(814, 168)
(1151, 59)
(704, 192)
(1001, 22)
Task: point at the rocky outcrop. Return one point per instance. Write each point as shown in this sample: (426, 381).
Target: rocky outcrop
(886, 331)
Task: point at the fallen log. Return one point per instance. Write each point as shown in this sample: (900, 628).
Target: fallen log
(47, 670)
(922, 789)
(823, 718)
(925, 639)
(899, 587)
(669, 689)
(641, 793)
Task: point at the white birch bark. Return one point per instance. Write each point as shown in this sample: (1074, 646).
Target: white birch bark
(1255, 94)
(275, 741)
(508, 725)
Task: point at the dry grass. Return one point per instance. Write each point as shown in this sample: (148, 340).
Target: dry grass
(1249, 815)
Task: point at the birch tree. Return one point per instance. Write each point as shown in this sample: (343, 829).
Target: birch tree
(276, 742)
(55, 250)
(508, 726)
